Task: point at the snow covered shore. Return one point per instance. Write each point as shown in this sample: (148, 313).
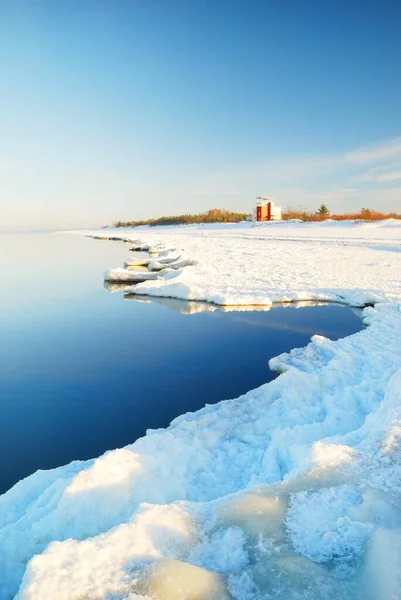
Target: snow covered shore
(290, 492)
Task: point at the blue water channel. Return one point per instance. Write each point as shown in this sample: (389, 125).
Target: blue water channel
(84, 370)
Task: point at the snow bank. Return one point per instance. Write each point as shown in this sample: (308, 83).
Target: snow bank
(292, 491)
(237, 264)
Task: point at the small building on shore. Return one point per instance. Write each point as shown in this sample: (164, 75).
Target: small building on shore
(266, 210)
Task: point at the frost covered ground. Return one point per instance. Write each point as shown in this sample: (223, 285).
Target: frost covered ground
(290, 492)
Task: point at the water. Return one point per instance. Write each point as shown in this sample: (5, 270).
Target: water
(83, 370)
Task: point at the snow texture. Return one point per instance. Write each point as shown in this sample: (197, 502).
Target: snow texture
(290, 492)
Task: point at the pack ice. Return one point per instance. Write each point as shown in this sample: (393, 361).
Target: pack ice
(290, 492)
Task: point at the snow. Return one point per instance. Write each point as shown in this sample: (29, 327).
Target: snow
(126, 275)
(292, 491)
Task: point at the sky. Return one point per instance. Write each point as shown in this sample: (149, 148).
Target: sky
(129, 109)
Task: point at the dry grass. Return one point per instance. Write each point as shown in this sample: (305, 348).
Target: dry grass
(362, 215)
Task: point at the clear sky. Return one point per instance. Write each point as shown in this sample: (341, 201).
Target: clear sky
(124, 109)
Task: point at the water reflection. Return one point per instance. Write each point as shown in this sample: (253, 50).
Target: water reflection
(115, 287)
(191, 307)
(238, 313)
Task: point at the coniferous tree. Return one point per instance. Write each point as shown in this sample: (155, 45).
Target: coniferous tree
(323, 211)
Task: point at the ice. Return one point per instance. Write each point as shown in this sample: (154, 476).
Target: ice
(158, 265)
(240, 264)
(125, 275)
(212, 550)
(174, 580)
(382, 573)
(319, 352)
(288, 576)
(259, 515)
(137, 262)
(290, 492)
(321, 529)
(109, 563)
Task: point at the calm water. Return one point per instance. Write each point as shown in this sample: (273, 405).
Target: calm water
(83, 370)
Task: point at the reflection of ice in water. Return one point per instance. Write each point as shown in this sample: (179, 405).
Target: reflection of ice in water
(191, 307)
(114, 287)
(182, 306)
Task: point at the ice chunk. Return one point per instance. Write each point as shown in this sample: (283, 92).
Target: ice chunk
(382, 568)
(126, 276)
(316, 354)
(288, 576)
(175, 580)
(256, 513)
(378, 508)
(322, 530)
(106, 564)
(158, 265)
(137, 262)
(222, 550)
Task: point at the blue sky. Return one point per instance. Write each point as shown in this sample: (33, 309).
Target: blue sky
(123, 109)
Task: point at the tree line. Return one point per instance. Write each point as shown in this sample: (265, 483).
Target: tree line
(215, 215)
(218, 215)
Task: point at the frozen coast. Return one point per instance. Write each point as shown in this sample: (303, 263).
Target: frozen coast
(290, 492)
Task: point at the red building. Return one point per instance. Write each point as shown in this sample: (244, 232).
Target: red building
(266, 210)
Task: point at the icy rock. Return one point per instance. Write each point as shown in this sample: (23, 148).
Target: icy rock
(377, 507)
(172, 579)
(101, 566)
(257, 514)
(289, 576)
(321, 528)
(382, 567)
(332, 466)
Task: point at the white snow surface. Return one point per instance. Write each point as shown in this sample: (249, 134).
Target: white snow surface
(290, 492)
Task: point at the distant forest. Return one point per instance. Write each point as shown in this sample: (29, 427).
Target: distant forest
(215, 215)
